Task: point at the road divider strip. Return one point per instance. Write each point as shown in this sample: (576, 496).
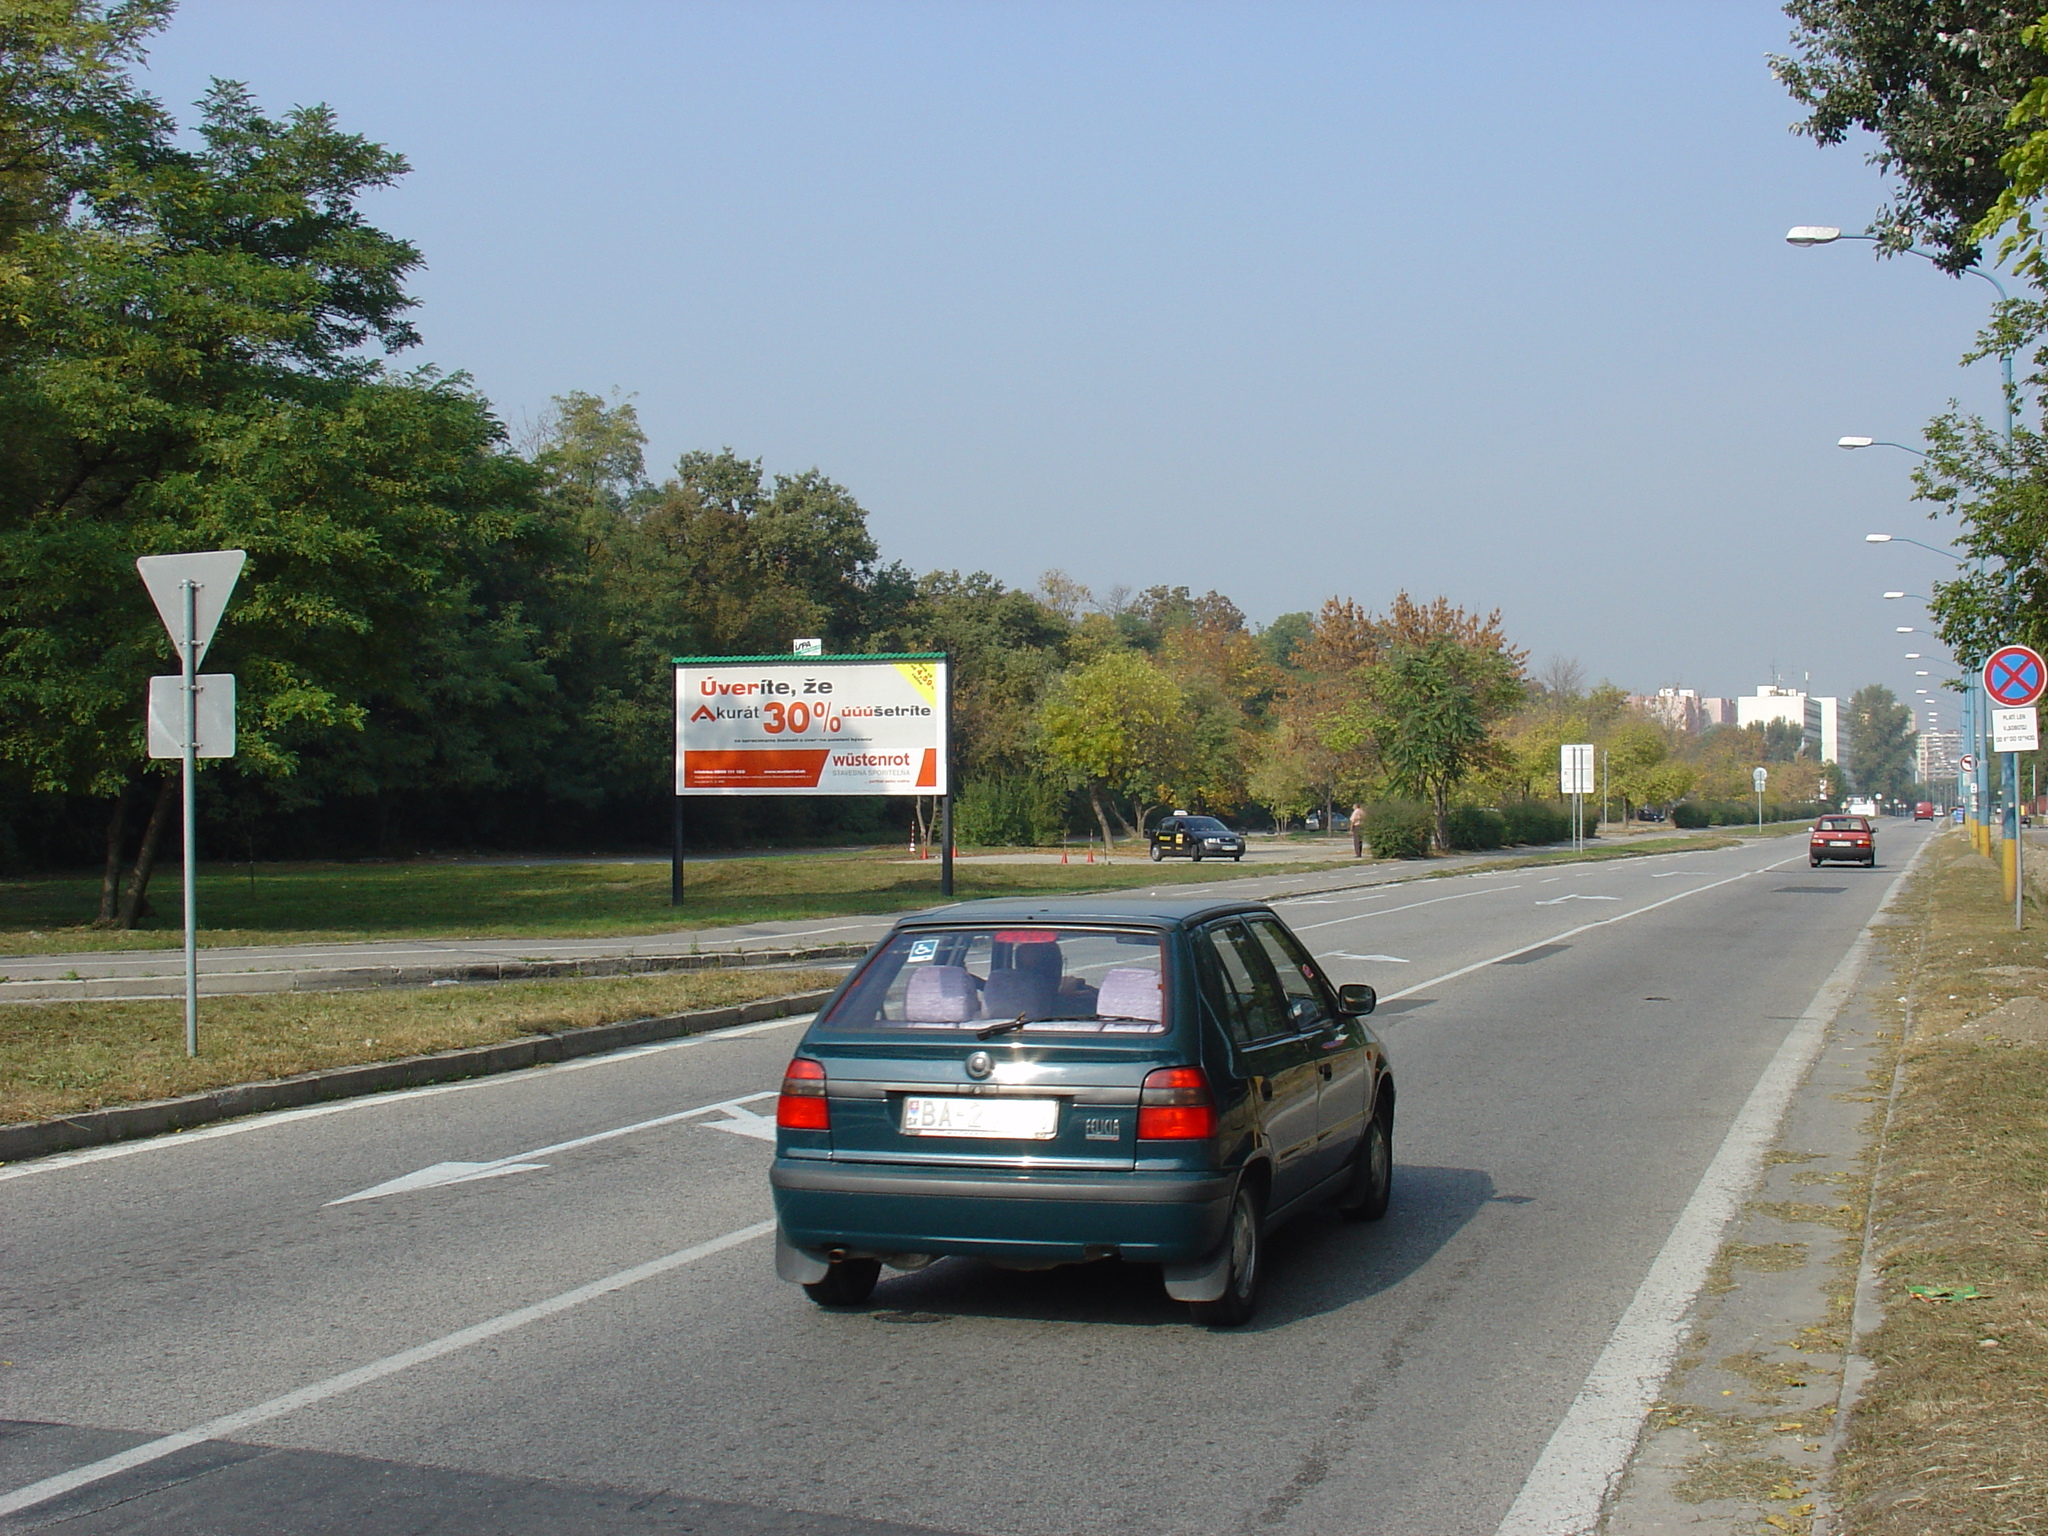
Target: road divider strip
(320, 1391)
(369, 1099)
(1582, 1464)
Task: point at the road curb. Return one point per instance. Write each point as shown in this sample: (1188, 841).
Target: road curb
(98, 1127)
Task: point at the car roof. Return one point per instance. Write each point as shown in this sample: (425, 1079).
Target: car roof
(1142, 911)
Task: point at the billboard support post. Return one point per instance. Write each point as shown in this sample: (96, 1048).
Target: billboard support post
(946, 804)
(675, 854)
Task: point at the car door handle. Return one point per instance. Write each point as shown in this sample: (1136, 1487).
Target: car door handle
(1324, 1068)
(1265, 1088)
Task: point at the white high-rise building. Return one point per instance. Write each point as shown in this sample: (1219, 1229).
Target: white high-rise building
(1819, 719)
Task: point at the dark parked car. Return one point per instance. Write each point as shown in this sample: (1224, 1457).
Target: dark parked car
(1035, 1083)
(1194, 837)
(1841, 840)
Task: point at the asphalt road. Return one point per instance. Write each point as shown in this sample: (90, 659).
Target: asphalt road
(528, 1336)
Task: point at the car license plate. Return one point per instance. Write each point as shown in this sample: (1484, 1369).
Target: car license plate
(1011, 1119)
(1838, 842)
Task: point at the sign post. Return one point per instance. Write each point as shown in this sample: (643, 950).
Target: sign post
(191, 593)
(1575, 778)
(814, 725)
(1760, 777)
(2014, 679)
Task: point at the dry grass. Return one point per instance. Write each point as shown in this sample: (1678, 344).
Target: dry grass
(60, 1058)
(1952, 1436)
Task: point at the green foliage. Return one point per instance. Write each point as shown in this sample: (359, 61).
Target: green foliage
(1398, 829)
(1010, 811)
(1937, 84)
(1474, 828)
(1691, 816)
(1881, 743)
(1428, 713)
(1534, 821)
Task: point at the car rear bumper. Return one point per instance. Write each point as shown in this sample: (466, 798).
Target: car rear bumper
(1840, 854)
(1031, 1217)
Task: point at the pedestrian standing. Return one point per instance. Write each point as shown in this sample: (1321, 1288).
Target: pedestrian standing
(1358, 831)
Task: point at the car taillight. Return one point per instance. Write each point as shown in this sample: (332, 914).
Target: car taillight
(1175, 1105)
(803, 1106)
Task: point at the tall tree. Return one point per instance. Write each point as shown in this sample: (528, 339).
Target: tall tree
(1881, 743)
(1429, 712)
(188, 361)
(1112, 727)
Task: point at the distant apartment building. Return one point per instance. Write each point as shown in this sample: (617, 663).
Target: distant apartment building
(1683, 709)
(1818, 719)
(1936, 755)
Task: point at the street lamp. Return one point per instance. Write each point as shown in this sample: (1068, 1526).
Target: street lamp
(1900, 538)
(1825, 234)
(1877, 442)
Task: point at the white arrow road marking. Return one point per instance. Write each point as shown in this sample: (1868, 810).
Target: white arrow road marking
(525, 1162)
(1390, 959)
(744, 1122)
(1575, 896)
(1406, 907)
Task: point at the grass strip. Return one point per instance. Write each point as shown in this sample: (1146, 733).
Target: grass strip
(61, 1058)
(1952, 1434)
(342, 903)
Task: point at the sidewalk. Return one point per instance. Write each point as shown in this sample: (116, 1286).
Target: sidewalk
(111, 976)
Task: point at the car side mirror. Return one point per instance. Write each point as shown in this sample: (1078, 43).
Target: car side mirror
(1355, 998)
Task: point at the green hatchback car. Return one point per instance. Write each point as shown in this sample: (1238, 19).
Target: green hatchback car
(1035, 1083)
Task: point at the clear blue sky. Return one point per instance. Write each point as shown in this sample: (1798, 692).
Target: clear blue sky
(1285, 300)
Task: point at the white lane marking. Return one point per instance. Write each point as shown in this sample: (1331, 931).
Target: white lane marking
(362, 1375)
(1558, 938)
(527, 1162)
(371, 1101)
(1669, 874)
(1575, 896)
(1590, 1449)
(1551, 881)
(1389, 959)
(1406, 907)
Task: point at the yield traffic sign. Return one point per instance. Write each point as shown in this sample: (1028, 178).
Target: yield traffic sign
(2015, 676)
(212, 573)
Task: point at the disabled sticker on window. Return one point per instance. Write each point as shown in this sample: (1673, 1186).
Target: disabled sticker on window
(923, 949)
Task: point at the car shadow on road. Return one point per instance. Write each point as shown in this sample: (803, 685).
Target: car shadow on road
(1316, 1264)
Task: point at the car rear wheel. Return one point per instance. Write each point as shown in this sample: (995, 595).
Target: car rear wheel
(1156, 854)
(1372, 1178)
(1813, 863)
(1244, 1235)
(846, 1284)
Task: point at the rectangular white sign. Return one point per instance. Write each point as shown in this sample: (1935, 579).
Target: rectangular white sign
(2015, 730)
(216, 715)
(1575, 768)
(803, 725)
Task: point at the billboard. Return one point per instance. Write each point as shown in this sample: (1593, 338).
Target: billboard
(811, 725)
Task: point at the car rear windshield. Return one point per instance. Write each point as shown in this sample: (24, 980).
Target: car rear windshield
(1098, 981)
(1843, 824)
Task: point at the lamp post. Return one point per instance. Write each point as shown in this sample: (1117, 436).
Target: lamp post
(1804, 235)
(1968, 785)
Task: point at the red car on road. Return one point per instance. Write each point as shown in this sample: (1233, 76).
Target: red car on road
(1842, 840)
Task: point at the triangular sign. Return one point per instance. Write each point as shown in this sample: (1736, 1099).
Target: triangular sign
(213, 574)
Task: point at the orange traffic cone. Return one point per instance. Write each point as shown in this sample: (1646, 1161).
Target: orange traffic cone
(1063, 853)
(1091, 853)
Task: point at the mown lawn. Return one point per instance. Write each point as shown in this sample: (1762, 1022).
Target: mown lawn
(303, 903)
